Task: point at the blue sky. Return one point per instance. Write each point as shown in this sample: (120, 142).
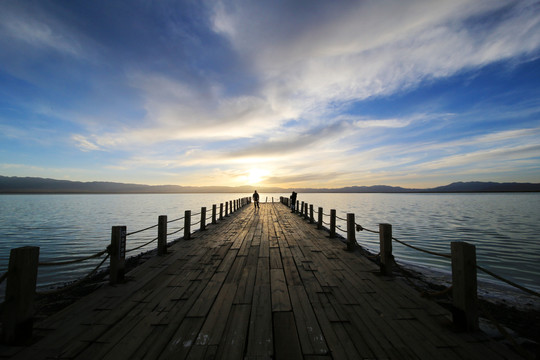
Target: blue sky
(277, 93)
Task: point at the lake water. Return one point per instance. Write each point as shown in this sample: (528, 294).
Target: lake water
(504, 227)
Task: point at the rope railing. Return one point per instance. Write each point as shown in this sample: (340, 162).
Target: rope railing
(141, 246)
(174, 220)
(67, 262)
(359, 227)
(27, 258)
(522, 288)
(423, 250)
(175, 232)
(75, 283)
(138, 231)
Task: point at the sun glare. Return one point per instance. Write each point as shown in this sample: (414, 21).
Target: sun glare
(255, 176)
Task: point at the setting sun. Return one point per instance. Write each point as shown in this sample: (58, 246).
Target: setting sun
(255, 175)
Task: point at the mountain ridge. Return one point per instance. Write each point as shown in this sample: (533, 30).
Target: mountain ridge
(37, 185)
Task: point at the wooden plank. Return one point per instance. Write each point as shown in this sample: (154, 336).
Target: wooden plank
(256, 286)
(309, 332)
(286, 342)
(275, 259)
(183, 339)
(214, 324)
(260, 340)
(207, 297)
(244, 294)
(233, 341)
(280, 294)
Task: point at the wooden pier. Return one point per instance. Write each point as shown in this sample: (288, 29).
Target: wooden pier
(261, 284)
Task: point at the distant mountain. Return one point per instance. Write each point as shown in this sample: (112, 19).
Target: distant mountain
(33, 185)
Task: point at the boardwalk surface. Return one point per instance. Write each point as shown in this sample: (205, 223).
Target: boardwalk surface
(259, 285)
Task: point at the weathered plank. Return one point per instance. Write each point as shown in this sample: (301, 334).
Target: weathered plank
(256, 286)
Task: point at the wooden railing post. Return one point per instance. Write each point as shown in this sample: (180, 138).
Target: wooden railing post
(187, 225)
(297, 207)
(214, 209)
(464, 286)
(220, 211)
(162, 235)
(319, 218)
(306, 211)
(230, 206)
(118, 254)
(385, 239)
(18, 307)
(311, 213)
(351, 233)
(203, 218)
(302, 209)
(333, 223)
(226, 208)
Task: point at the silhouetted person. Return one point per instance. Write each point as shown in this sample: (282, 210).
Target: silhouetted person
(256, 200)
(293, 201)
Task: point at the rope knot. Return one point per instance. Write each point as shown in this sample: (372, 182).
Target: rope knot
(359, 227)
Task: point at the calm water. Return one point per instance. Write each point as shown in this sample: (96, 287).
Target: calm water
(504, 227)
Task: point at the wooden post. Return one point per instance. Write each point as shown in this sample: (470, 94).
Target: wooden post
(162, 235)
(187, 225)
(226, 208)
(464, 291)
(333, 223)
(214, 209)
(385, 239)
(18, 307)
(203, 218)
(230, 206)
(118, 254)
(302, 209)
(311, 213)
(351, 233)
(319, 218)
(220, 211)
(296, 208)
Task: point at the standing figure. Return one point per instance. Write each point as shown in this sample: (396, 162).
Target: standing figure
(293, 201)
(256, 200)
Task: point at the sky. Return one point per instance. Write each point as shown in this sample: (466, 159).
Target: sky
(297, 93)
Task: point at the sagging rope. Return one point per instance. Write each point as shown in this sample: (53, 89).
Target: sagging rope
(174, 232)
(361, 228)
(423, 250)
(528, 291)
(53, 263)
(173, 220)
(138, 231)
(140, 246)
(448, 256)
(57, 291)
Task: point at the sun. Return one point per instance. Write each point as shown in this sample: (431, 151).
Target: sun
(256, 175)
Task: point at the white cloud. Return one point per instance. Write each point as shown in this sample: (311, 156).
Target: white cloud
(84, 143)
(366, 49)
